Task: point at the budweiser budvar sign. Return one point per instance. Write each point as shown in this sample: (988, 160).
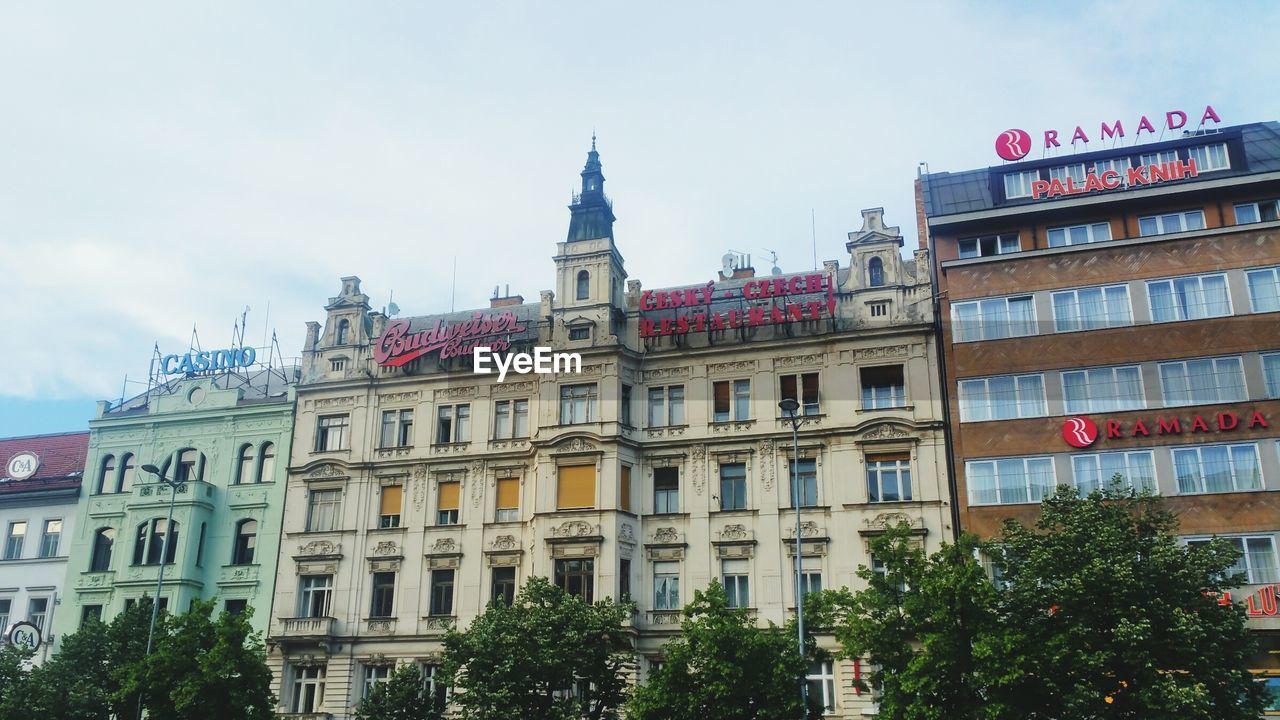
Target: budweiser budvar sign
(399, 345)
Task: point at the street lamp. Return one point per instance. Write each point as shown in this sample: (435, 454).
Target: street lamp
(164, 554)
(789, 407)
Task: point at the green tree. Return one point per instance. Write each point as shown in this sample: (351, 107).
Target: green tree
(549, 656)
(723, 667)
(14, 681)
(401, 697)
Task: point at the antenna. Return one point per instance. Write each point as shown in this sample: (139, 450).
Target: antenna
(773, 260)
(453, 290)
(813, 228)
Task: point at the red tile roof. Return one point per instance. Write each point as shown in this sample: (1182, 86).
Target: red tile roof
(61, 455)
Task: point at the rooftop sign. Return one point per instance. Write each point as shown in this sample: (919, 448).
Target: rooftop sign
(776, 300)
(399, 345)
(1015, 144)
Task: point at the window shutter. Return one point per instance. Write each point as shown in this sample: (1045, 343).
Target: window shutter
(721, 391)
(889, 457)
(576, 487)
(508, 494)
(391, 495)
(789, 387)
(448, 496)
(624, 502)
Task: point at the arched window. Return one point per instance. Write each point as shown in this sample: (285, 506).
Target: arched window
(106, 475)
(246, 542)
(344, 329)
(584, 284)
(189, 466)
(875, 272)
(244, 464)
(103, 541)
(126, 474)
(149, 543)
(140, 544)
(267, 467)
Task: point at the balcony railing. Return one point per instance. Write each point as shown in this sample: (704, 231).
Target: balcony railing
(306, 627)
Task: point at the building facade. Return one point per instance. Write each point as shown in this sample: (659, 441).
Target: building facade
(39, 486)
(1114, 312)
(420, 491)
(224, 437)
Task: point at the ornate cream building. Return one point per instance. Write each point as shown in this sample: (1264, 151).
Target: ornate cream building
(419, 491)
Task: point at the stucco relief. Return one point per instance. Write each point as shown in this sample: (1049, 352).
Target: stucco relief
(477, 486)
(399, 397)
(767, 463)
(512, 388)
(698, 467)
(734, 367)
(664, 373)
(885, 431)
(334, 402)
(577, 445)
(799, 360)
(455, 393)
(504, 542)
(419, 486)
(326, 471)
(386, 547)
(319, 547)
(884, 351)
(575, 528)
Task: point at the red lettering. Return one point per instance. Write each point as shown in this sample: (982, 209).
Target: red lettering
(1168, 427)
(1169, 116)
(1158, 173)
(814, 310)
(682, 324)
(1145, 124)
(813, 283)
(1092, 183)
(646, 301)
(1224, 418)
(1256, 420)
(1110, 179)
(751, 290)
(1188, 168)
(755, 316)
(1079, 135)
(647, 329)
(664, 326)
(1038, 188)
(1051, 138)
(1199, 425)
(1140, 429)
(795, 313)
(1136, 176)
(1111, 132)
(1267, 599)
(1072, 188)
(776, 316)
(1056, 188)
(717, 321)
(779, 287)
(1209, 114)
(1113, 429)
(794, 286)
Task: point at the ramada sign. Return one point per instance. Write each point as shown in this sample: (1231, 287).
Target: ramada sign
(398, 346)
(1014, 144)
(1081, 432)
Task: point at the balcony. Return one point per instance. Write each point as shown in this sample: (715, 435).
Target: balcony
(307, 628)
(664, 619)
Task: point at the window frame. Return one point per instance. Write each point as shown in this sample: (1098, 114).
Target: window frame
(1201, 479)
(244, 548)
(1092, 405)
(314, 595)
(1207, 150)
(1128, 455)
(979, 332)
(1067, 233)
(666, 406)
(1077, 321)
(1182, 314)
(1027, 475)
(1023, 180)
(567, 570)
(1249, 275)
(1184, 223)
(736, 483)
(313, 505)
(45, 535)
(666, 500)
(795, 474)
(899, 464)
(574, 394)
(333, 432)
(382, 594)
(1169, 397)
(967, 403)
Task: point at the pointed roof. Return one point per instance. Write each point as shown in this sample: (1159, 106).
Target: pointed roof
(591, 213)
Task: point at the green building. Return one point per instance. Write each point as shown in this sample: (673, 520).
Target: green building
(225, 438)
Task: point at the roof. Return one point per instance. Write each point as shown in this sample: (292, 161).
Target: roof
(256, 387)
(62, 458)
(950, 193)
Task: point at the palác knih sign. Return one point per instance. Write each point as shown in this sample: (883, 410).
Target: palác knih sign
(208, 360)
(399, 345)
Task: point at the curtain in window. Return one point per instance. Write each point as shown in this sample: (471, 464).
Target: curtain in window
(1264, 291)
(1271, 368)
(1216, 302)
(1084, 469)
(1031, 396)
(1064, 312)
(1217, 469)
(1261, 554)
(995, 319)
(1021, 317)
(968, 326)
(1118, 312)
(1040, 478)
(1187, 470)
(1245, 460)
(1142, 472)
(982, 483)
(1162, 308)
(1004, 398)
(1092, 310)
(1076, 392)
(1128, 389)
(1011, 478)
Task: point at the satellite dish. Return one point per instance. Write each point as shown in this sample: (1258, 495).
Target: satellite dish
(728, 261)
(393, 309)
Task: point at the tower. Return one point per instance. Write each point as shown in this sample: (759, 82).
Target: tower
(589, 269)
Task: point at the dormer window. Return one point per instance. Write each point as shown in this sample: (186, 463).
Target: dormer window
(584, 285)
(337, 364)
(875, 272)
(344, 329)
(580, 333)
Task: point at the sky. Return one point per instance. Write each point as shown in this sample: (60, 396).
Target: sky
(167, 165)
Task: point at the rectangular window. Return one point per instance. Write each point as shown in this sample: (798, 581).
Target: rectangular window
(236, 606)
(38, 612)
(994, 318)
(1018, 184)
(666, 490)
(1157, 158)
(1092, 308)
(806, 472)
(889, 477)
(803, 389)
(624, 415)
(1074, 171)
(576, 487)
(737, 584)
(580, 333)
(1217, 468)
(624, 578)
(50, 539)
(441, 592)
(1109, 389)
(502, 585)
(883, 387)
(1271, 369)
(666, 586)
(453, 424)
(577, 404)
(510, 419)
(1257, 558)
(374, 674)
(1265, 211)
(447, 502)
(1210, 157)
(1189, 298)
(331, 432)
(1171, 223)
(731, 400)
(506, 506)
(1119, 165)
(666, 406)
(316, 592)
(821, 681)
(624, 488)
(733, 486)
(397, 429)
(389, 505)
(1079, 234)
(577, 577)
(1099, 472)
(6, 606)
(322, 510)
(308, 689)
(1003, 397)
(1009, 480)
(1201, 382)
(382, 601)
(988, 245)
(14, 540)
(90, 612)
(1264, 290)
(810, 575)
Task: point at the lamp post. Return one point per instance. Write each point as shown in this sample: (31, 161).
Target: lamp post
(789, 407)
(164, 554)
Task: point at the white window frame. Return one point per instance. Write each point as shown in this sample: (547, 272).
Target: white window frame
(666, 577)
(1129, 457)
(574, 394)
(1017, 185)
(1184, 223)
(1207, 152)
(1181, 315)
(826, 679)
(1256, 209)
(970, 403)
(741, 583)
(981, 329)
(300, 681)
(1003, 244)
(901, 473)
(1077, 322)
(1027, 485)
(1119, 164)
(1201, 485)
(1094, 404)
(373, 675)
(1216, 362)
(1253, 576)
(1273, 385)
(1253, 298)
(1062, 172)
(1093, 233)
(666, 406)
(312, 519)
(308, 589)
(1159, 157)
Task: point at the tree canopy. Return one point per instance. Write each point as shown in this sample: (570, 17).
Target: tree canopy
(402, 697)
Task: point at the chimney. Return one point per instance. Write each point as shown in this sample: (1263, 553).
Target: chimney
(506, 299)
(922, 221)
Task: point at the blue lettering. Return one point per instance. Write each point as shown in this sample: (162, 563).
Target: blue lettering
(186, 365)
(247, 356)
(202, 360)
(169, 364)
